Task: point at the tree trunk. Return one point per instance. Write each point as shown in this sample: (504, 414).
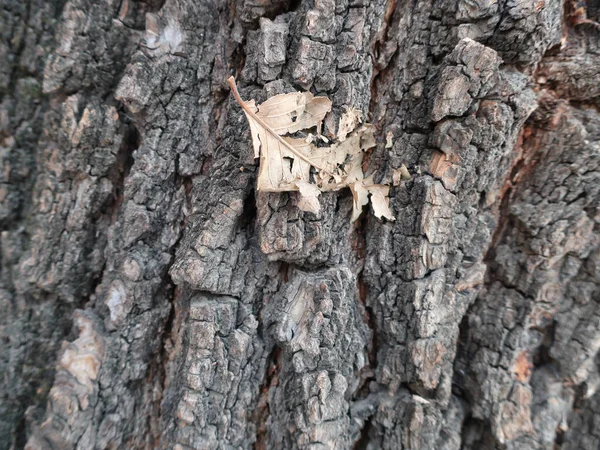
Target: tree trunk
(150, 298)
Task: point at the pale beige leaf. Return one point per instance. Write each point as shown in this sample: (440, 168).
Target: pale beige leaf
(353, 167)
(289, 113)
(315, 138)
(285, 162)
(348, 122)
(345, 158)
(353, 144)
(400, 174)
(380, 201)
(360, 197)
(280, 111)
(367, 140)
(263, 131)
(295, 168)
(330, 157)
(405, 173)
(279, 167)
(309, 197)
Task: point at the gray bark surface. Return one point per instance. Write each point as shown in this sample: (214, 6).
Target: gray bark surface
(150, 298)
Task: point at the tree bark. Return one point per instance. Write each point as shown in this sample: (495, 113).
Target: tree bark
(150, 298)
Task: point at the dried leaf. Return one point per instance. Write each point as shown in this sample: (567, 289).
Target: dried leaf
(367, 137)
(346, 158)
(309, 197)
(279, 168)
(379, 198)
(263, 136)
(405, 173)
(380, 201)
(400, 174)
(360, 197)
(289, 113)
(312, 138)
(285, 162)
(348, 122)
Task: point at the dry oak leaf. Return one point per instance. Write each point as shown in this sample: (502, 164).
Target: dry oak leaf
(400, 174)
(285, 161)
(348, 122)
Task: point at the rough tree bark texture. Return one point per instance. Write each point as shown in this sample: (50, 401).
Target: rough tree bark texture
(151, 299)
